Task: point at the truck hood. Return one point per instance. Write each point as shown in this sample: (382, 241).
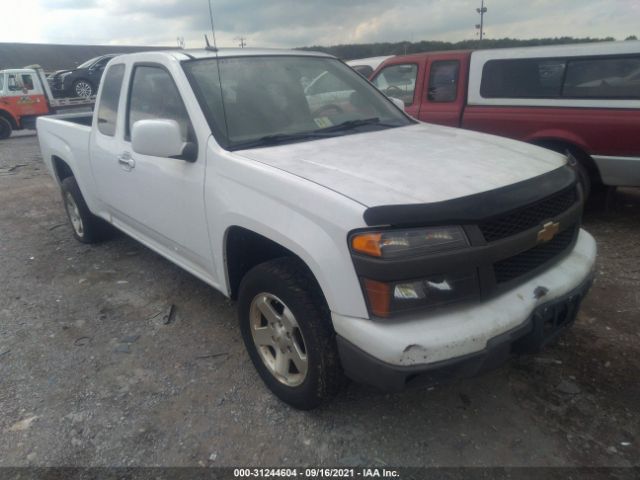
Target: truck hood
(60, 72)
(421, 163)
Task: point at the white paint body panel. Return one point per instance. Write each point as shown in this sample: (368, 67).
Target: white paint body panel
(306, 196)
(409, 164)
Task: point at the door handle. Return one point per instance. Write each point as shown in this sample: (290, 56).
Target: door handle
(126, 160)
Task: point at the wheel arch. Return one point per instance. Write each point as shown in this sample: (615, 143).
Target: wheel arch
(245, 249)
(10, 118)
(575, 145)
(61, 168)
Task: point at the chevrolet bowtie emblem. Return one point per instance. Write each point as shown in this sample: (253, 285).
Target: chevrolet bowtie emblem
(549, 230)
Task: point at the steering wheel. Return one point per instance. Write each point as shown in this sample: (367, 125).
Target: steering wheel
(328, 110)
(390, 91)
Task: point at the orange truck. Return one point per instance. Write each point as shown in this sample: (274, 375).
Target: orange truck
(25, 95)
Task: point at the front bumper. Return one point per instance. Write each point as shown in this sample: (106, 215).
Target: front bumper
(465, 340)
(57, 85)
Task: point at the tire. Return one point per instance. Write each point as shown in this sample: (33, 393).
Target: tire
(286, 290)
(5, 128)
(83, 88)
(87, 228)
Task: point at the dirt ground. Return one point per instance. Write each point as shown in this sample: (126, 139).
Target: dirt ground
(90, 374)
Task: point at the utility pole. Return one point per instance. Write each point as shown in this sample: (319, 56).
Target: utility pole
(482, 10)
(242, 41)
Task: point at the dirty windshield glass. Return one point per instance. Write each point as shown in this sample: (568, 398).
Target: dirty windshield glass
(260, 101)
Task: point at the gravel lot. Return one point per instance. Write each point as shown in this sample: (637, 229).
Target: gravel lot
(90, 374)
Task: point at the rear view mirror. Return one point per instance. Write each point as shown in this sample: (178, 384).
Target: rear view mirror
(161, 138)
(397, 102)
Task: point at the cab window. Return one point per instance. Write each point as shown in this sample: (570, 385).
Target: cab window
(443, 81)
(398, 81)
(154, 95)
(27, 81)
(20, 82)
(13, 83)
(109, 100)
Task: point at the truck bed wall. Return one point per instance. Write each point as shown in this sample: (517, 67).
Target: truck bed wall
(67, 138)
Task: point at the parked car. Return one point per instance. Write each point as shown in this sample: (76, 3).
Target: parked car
(366, 66)
(25, 95)
(582, 99)
(359, 242)
(81, 81)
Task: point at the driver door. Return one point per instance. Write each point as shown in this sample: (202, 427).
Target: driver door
(402, 80)
(158, 199)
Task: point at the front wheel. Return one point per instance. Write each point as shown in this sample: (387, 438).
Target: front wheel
(286, 328)
(5, 128)
(83, 88)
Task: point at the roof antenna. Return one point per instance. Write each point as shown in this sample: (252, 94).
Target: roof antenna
(213, 31)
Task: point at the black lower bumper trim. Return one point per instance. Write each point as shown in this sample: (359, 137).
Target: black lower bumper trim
(544, 325)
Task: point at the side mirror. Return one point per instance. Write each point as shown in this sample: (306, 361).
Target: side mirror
(161, 138)
(397, 102)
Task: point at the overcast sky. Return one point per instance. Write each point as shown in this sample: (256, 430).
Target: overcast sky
(293, 23)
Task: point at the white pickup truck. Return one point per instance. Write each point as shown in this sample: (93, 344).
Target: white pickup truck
(355, 240)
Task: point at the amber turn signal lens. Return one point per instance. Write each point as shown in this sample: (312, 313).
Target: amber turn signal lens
(368, 243)
(379, 296)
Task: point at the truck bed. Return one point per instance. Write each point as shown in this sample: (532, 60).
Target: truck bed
(78, 118)
(67, 137)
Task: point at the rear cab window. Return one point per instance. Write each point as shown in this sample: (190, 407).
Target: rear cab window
(398, 81)
(109, 100)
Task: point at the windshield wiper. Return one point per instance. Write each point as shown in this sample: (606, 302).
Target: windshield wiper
(279, 138)
(361, 122)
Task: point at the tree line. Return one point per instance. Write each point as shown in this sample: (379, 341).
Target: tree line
(363, 50)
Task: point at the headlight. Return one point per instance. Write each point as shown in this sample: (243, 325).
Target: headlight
(385, 299)
(393, 244)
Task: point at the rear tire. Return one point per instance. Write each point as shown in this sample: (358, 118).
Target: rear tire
(296, 325)
(5, 128)
(87, 228)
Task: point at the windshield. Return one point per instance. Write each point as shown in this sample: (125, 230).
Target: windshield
(88, 63)
(267, 100)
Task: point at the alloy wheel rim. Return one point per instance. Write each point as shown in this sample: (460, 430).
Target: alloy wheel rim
(278, 339)
(83, 89)
(74, 215)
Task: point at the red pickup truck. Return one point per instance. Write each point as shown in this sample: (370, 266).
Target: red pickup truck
(584, 99)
